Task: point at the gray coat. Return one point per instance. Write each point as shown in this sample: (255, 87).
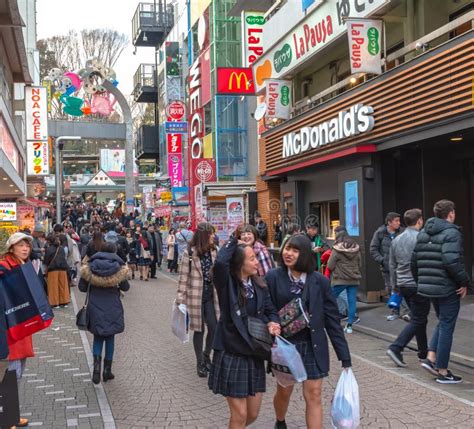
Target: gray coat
(380, 247)
(400, 258)
(344, 264)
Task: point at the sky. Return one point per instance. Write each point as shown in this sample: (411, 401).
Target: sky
(53, 19)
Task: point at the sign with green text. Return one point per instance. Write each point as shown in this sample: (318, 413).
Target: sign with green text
(365, 45)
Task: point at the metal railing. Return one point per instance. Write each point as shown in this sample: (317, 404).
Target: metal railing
(419, 47)
(144, 76)
(152, 15)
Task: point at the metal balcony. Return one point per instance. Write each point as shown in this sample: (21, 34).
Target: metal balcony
(151, 23)
(144, 84)
(148, 146)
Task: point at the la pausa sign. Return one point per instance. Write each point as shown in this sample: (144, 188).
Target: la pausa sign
(357, 120)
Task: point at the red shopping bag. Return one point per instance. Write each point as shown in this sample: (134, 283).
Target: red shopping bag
(27, 310)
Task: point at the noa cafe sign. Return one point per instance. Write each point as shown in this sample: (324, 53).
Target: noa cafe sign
(357, 120)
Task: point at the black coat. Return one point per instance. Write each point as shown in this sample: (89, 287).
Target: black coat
(380, 247)
(323, 314)
(58, 262)
(232, 334)
(438, 261)
(105, 310)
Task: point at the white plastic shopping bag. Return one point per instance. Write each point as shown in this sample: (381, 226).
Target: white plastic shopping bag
(287, 365)
(345, 411)
(179, 321)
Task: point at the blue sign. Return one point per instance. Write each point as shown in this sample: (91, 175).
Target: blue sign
(351, 203)
(172, 127)
(306, 3)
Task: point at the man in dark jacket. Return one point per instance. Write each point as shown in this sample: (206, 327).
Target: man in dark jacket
(438, 268)
(261, 227)
(380, 252)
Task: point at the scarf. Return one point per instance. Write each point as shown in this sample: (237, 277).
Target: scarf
(143, 242)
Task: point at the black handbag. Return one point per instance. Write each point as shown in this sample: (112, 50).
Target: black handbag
(261, 339)
(9, 403)
(82, 317)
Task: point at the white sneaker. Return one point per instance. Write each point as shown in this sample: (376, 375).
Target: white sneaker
(348, 329)
(392, 317)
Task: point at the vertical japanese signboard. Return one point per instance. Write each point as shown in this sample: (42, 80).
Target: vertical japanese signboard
(278, 98)
(252, 37)
(36, 104)
(365, 44)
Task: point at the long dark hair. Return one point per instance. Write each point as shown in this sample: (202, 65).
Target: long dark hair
(236, 263)
(201, 240)
(97, 241)
(305, 262)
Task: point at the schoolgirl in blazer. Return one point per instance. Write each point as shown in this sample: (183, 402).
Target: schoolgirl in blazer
(236, 372)
(287, 282)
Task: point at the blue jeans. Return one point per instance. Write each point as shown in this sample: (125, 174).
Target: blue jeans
(98, 345)
(447, 310)
(342, 303)
(351, 291)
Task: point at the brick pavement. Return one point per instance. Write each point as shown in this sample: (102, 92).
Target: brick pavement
(156, 385)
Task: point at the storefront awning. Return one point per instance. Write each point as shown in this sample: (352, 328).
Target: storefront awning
(37, 203)
(228, 188)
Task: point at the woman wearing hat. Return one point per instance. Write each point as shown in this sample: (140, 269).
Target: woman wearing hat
(18, 252)
(56, 266)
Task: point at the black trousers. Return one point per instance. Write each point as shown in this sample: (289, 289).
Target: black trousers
(209, 320)
(420, 308)
(153, 267)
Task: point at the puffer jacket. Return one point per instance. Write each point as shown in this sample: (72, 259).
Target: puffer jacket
(438, 261)
(380, 247)
(107, 274)
(344, 264)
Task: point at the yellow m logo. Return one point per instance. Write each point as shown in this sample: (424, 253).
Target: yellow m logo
(237, 79)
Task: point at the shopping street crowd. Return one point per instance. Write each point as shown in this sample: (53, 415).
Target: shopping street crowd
(238, 300)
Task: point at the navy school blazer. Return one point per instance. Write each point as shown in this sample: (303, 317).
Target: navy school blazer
(323, 314)
(231, 333)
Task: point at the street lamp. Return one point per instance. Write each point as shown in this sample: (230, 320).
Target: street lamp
(57, 155)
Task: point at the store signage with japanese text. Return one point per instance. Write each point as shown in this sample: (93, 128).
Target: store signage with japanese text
(175, 169)
(252, 35)
(235, 81)
(321, 26)
(365, 45)
(163, 211)
(8, 145)
(175, 110)
(278, 98)
(37, 155)
(356, 120)
(7, 212)
(36, 104)
(175, 143)
(176, 127)
(204, 170)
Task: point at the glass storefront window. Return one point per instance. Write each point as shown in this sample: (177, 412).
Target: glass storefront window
(327, 215)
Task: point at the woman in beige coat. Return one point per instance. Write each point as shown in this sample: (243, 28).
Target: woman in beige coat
(196, 290)
(172, 254)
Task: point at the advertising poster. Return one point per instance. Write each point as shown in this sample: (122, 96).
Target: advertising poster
(235, 212)
(365, 44)
(112, 161)
(278, 98)
(175, 169)
(8, 212)
(7, 144)
(351, 206)
(218, 219)
(181, 196)
(26, 217)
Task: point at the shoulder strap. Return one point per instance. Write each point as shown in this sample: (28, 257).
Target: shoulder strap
(54, 257)
(87, 295)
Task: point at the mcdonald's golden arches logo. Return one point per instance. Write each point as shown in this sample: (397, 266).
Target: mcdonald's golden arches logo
(235, 81)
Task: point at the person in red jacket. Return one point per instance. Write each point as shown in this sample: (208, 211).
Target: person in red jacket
(18, 252)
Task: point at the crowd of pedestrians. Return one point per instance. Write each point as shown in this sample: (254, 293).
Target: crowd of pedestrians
(235, 291)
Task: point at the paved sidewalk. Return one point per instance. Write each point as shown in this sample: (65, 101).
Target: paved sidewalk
(374, 322)
(56, 390)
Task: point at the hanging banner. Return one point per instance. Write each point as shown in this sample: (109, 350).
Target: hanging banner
(235, 213)
(37, 158)
(252, 35)
(36, 104)
(175, 169)
(278, 98)
(365, 44)
(8, 212)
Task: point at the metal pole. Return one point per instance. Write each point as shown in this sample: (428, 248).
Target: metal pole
(58, 178)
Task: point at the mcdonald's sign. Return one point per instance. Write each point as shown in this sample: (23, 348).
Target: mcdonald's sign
(235, 81)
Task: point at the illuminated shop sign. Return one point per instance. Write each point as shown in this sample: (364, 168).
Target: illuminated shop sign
(235, 81)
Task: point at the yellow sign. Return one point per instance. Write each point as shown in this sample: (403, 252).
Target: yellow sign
(166, 196)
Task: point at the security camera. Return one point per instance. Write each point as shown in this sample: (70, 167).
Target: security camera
(422, 46)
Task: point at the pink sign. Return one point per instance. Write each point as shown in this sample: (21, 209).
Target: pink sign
(162, 211)
(175, 169)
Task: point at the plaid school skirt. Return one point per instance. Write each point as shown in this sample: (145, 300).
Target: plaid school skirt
(236, 376)
(305, 349)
